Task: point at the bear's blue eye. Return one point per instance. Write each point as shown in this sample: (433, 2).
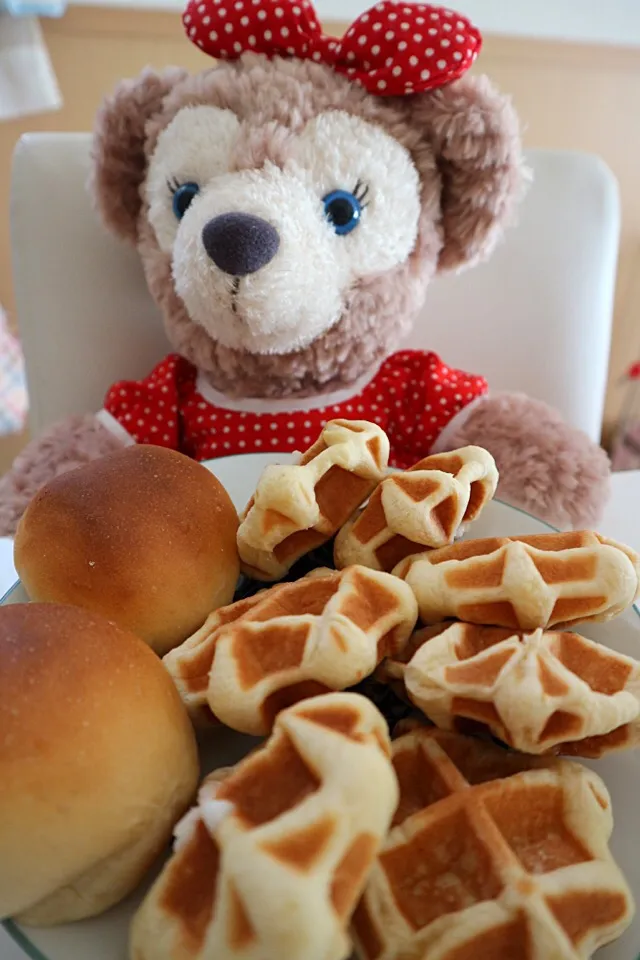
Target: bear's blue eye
(183, 195)
(343, 209)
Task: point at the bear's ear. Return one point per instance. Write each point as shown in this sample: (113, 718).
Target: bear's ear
(119, 160)
(475, 135)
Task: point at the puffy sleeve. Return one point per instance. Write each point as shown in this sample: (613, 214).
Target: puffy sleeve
(432, 396)
(147, 411)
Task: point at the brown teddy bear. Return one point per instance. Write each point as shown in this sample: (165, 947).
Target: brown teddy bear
(290, 206)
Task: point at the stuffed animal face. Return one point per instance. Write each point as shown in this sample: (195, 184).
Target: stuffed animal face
(265, 257)
(288, 221)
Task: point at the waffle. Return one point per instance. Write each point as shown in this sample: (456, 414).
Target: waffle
(550, 579)
(537, 692)
(270, 864)
(296, 640)
(422, 507)
(296, 508)
(491, 855)
(190, 664)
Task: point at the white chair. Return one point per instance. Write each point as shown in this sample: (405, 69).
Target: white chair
(536, 317)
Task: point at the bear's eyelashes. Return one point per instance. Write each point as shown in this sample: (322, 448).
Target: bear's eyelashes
(361, 192)
(343, 209)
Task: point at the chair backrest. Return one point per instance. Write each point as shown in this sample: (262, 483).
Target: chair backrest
(536, 317)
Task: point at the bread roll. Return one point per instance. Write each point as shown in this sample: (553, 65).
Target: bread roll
(97, 762)
(145, 536)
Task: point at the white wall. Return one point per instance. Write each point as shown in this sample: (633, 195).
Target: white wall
(586, 21)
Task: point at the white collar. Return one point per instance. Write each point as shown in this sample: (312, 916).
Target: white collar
(296, 405)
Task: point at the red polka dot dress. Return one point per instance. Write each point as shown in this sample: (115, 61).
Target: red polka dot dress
(413, 397)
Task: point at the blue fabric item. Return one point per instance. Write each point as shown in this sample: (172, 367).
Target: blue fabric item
(33, 8)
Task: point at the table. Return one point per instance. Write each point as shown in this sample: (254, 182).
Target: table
(621, 521)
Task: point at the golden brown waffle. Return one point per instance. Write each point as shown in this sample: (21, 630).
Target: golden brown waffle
(423, 507)
(537, 692)
(296, 508)
(270, 863)
(549, 579)
(492, 855)
(190, 663)
(296, 640)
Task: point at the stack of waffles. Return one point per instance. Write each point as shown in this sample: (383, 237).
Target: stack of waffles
(457, 833)
(490, 663)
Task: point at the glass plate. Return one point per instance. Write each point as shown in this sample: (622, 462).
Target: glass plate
(105, 937)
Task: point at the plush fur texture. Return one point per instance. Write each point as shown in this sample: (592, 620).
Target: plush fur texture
(546, 468)
(66, 445)
(464, 167)
(120, 136)
(299, 293)
(450, 134)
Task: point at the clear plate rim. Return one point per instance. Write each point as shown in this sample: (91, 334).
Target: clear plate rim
(22, 940)
(11, 927)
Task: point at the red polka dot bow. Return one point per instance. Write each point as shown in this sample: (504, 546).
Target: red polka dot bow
(392, 50)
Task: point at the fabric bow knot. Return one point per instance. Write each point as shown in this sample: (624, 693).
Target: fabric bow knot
(394, 49)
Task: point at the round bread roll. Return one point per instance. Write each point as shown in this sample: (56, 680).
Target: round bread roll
(97, 762)
(145, 536)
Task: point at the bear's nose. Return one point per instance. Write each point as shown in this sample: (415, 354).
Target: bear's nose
(240, 243)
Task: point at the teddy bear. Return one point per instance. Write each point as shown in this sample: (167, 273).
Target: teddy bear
(290, 205)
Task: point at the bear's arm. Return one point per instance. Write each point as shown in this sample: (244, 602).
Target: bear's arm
(144, 411)
(66, 445)
(546, 467)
